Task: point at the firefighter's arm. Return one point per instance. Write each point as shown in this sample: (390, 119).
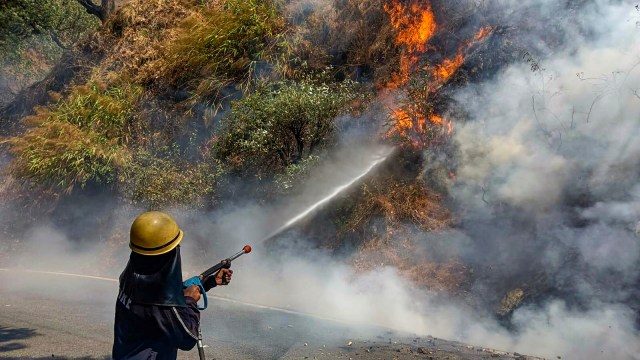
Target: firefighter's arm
(222, 277)
(181, 324)
(186, 325)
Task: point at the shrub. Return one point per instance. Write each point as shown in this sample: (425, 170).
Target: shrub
(79, 140)
(221, 45)
(41, 24)
(63, 155)
(295, 173)
(164, 178)
(356, 37)
(281, 124)
(110, 111)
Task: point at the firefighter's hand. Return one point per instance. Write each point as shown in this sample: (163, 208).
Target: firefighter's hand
(193, 292)
(223, 277)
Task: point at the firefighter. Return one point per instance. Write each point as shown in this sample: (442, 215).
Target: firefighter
(155, 315)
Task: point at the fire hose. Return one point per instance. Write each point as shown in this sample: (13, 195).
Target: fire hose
(198, 280)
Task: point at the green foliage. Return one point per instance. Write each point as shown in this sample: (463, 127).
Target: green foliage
(281, 124)
(108, 111)
(221, 45)
(33, 35)
(164, 178)
(22, 22)
(79, 140)
(295, 173)
(63, 155)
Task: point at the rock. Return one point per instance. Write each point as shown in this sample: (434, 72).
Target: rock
(350, 343)
(422, 350)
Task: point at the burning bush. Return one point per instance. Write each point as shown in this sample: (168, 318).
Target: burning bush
(387, 221)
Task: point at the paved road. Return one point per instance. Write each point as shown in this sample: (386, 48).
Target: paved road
(57, 316)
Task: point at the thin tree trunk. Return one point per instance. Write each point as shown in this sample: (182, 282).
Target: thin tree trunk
(56, 39)
(109, 5)
(102, 11)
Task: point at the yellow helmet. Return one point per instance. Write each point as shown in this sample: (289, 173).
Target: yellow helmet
(154, 233)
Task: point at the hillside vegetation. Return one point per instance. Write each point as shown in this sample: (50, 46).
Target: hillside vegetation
(141, 121)
(172, 104)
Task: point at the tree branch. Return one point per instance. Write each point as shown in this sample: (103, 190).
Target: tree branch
(94, 9)
(56, 39)
(484, 192)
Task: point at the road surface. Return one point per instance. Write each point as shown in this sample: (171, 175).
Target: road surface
(55, 316)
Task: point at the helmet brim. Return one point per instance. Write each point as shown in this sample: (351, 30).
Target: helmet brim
(161, 251)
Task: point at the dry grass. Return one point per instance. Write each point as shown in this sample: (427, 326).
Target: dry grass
(139, 34)
(389, 215)
(400, 201)
(356, 36)
(405, 254)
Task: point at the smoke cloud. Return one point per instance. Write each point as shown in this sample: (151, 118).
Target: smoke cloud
(547, 183)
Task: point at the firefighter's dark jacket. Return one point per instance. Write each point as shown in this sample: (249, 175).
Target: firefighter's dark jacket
(153, 317)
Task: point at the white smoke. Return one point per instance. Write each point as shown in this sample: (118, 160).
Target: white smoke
(558, 147)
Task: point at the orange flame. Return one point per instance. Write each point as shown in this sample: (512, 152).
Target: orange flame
(402, 123)
(419, 130)
(436, 119)
(483, 33)
(402, 76)
(414, 22)
(448, 67)
(415, 25)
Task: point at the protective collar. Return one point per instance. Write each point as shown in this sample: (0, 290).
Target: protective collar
(154, 279)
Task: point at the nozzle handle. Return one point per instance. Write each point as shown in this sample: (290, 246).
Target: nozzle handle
(226, 263)
(195, 280)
